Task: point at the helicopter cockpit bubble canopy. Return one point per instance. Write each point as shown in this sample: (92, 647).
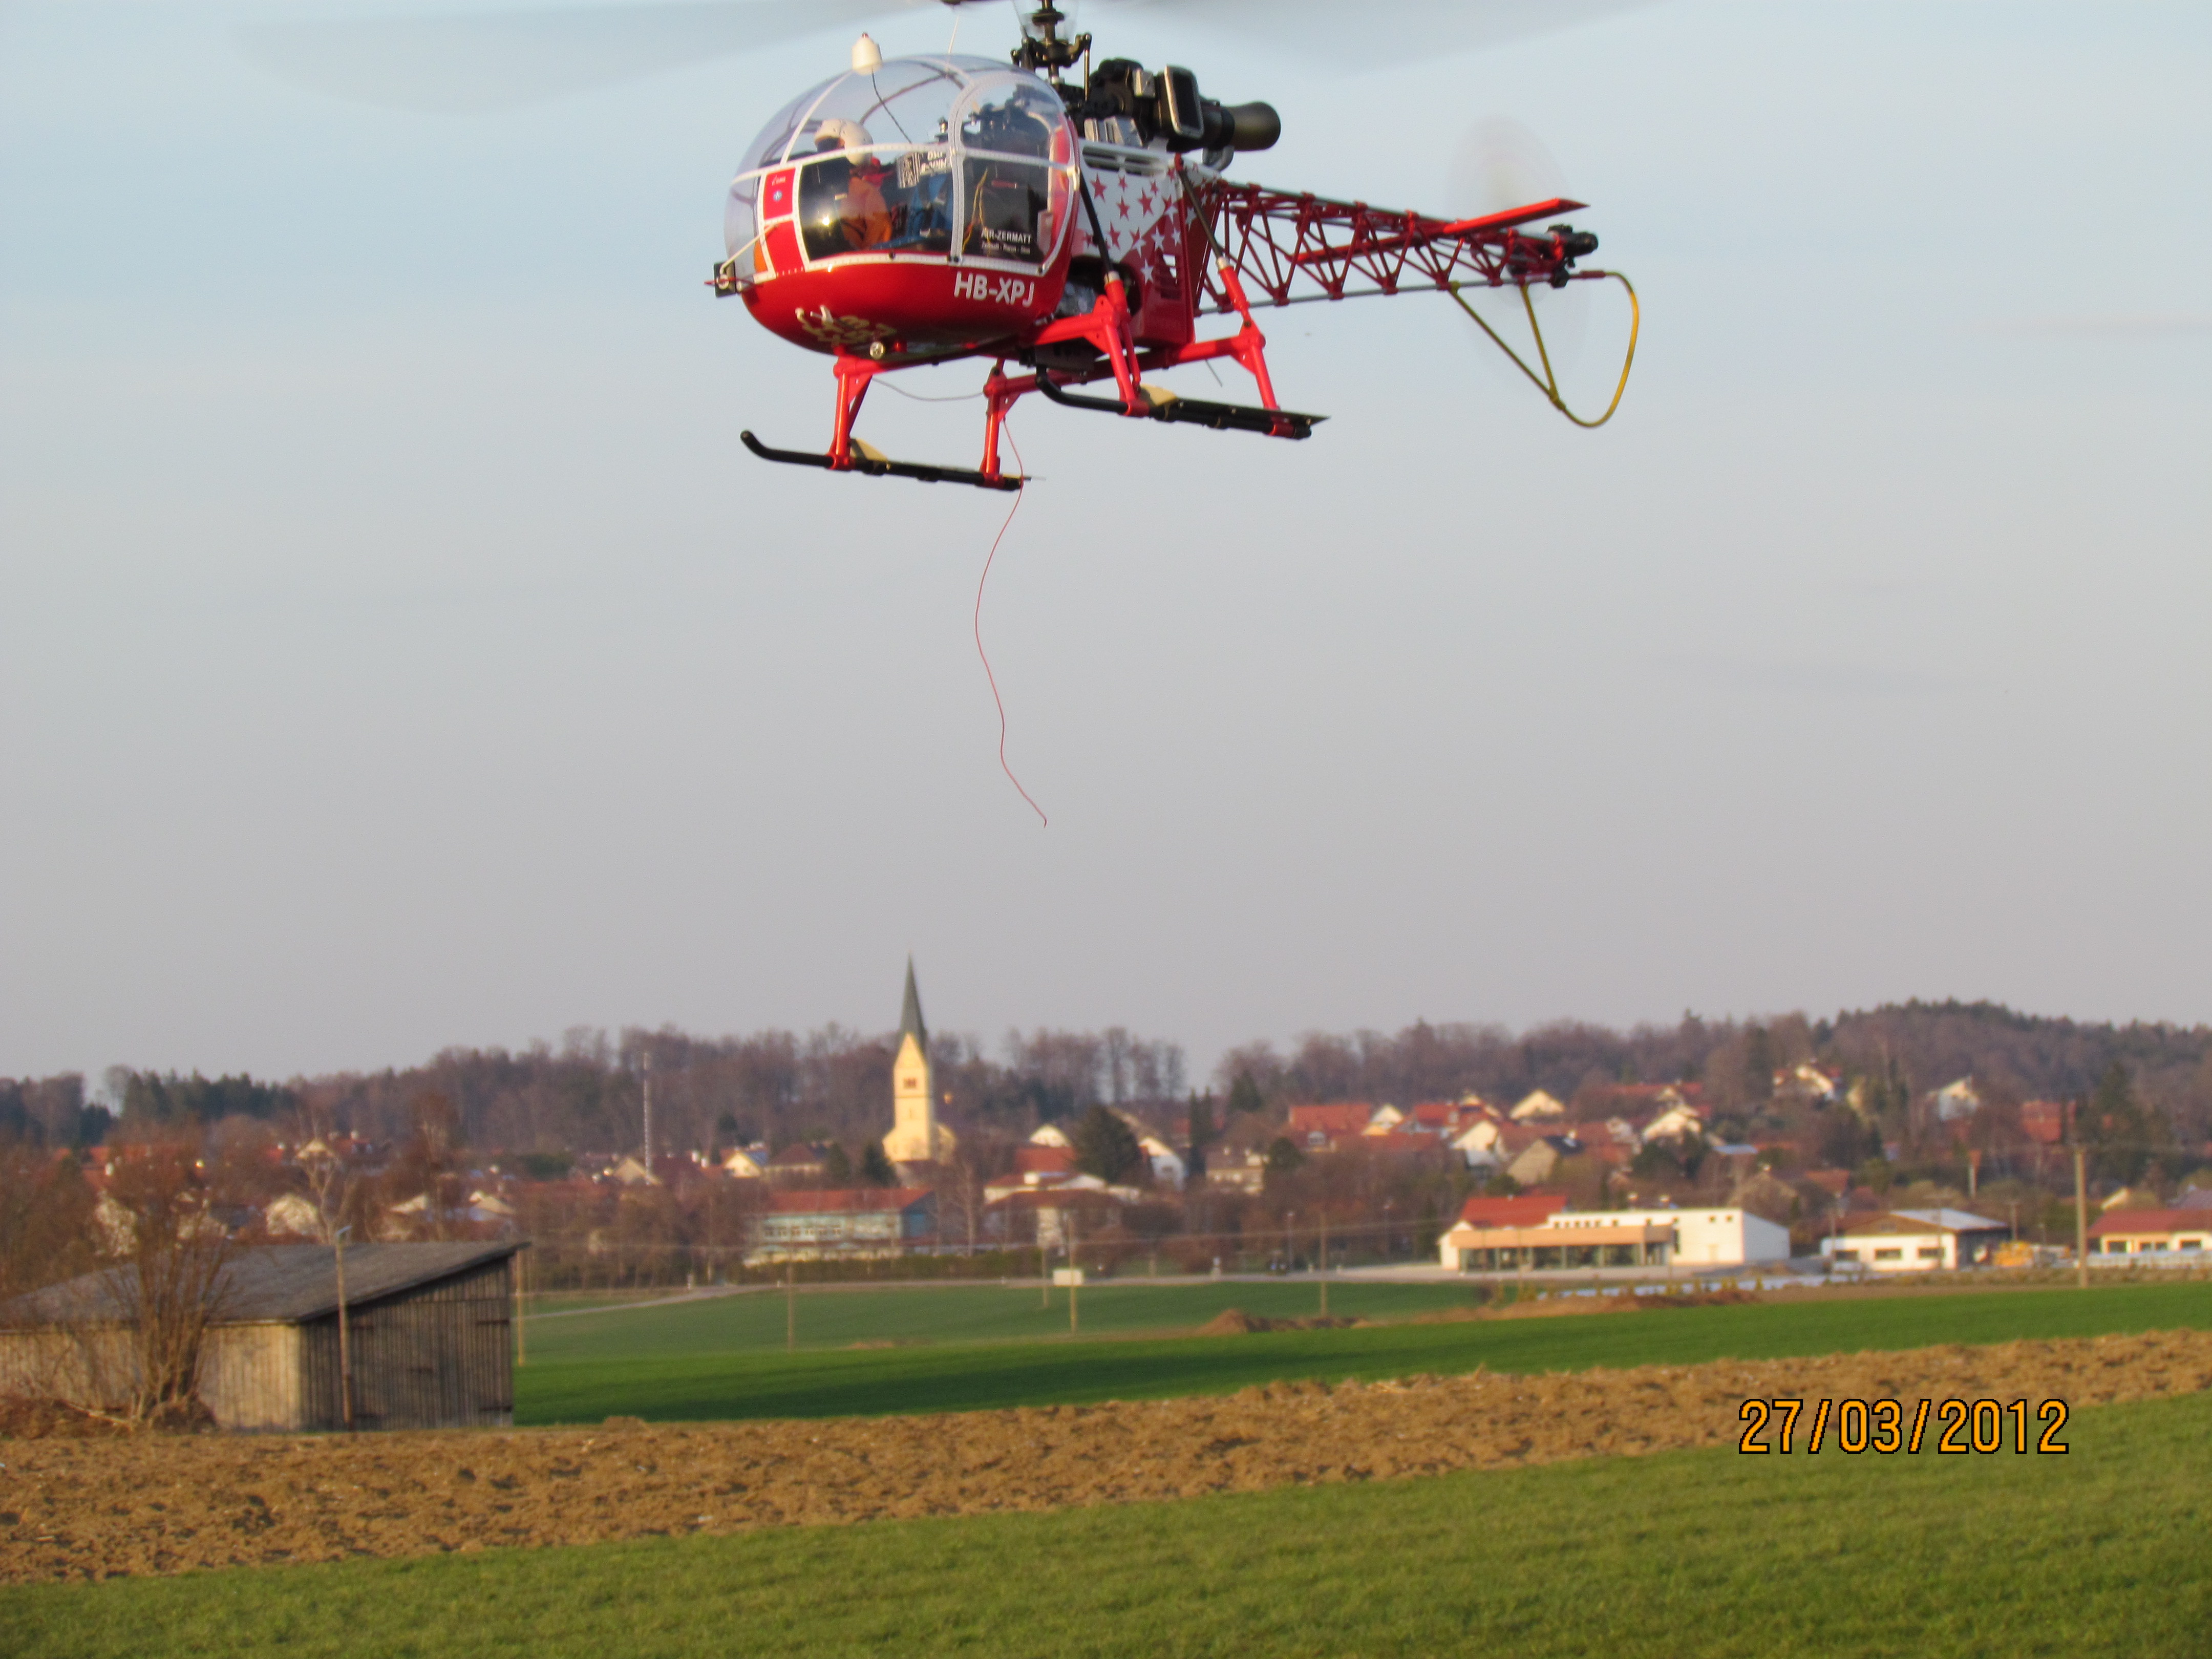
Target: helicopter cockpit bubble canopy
(956, 157)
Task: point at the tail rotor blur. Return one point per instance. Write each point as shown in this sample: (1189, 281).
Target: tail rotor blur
(1499, 163)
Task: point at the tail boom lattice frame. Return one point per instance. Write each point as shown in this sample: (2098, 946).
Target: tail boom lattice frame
(1297, 247)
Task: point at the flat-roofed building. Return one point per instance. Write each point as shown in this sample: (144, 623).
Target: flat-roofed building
(1565, 1238)
(1727, 1236)
(1915, 1241)
(808, 1224)
(1601, 1241)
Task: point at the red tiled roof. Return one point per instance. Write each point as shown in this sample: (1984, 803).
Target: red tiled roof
(2043, 1120)
(1526, 1210)
(847, 1200)
(1043, 1160)
(1340, 1118)
(2130, 1222)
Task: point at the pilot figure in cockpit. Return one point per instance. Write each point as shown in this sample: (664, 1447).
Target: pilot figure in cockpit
(854, 178)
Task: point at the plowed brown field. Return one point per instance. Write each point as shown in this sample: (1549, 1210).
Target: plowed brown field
(72, 1508)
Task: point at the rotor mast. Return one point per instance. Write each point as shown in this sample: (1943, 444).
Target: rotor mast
(1041, 48)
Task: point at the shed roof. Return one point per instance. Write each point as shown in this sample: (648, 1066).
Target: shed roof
(273, 1284)
(1957, 1221)
(1923, 1222)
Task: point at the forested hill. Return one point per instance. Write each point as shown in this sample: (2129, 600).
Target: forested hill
(1913, 1046)
(2030, 1055)
(780, 1087)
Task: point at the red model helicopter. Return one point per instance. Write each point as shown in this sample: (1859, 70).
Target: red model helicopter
(922, 209)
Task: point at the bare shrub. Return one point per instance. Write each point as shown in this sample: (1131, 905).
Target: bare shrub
(169, 1289)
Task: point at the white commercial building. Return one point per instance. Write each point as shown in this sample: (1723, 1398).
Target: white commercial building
(1694, 1239)
(1711, 1238)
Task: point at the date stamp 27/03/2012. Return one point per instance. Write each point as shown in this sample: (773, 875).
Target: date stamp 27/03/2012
(1853, 1426)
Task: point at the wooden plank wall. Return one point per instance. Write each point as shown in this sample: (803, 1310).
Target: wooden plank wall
(441, 1357)
(249, 1374)
(95, 1366)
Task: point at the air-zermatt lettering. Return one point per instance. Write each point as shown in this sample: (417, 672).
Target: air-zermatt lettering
(996, 290)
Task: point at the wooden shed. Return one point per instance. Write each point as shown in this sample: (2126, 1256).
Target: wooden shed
(430, 1328)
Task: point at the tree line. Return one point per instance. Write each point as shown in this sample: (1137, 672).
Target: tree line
(833, 1084)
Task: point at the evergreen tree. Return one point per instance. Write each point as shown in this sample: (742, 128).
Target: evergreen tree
(1759, 1063)
(2123, 1132)
(876, 1168)
(1105, 1147)
(1244, 1096)
(1204, 1131)
(837, 1166)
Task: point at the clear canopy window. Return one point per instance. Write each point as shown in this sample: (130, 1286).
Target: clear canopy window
(925, 155)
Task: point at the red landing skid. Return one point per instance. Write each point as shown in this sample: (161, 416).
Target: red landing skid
(1286, 244)
(1106, 329)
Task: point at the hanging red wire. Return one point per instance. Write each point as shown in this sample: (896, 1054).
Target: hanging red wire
(1042, 821)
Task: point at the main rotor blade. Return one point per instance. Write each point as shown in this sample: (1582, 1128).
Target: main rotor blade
(1401, 31)
(457, 63)
(460, 63)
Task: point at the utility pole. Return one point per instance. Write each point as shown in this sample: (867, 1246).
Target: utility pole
(1044, 1268)
(346, 1350)
(790, 1305)
(1324, 1261)
(2081, 1202)
(522, 1340)
(1074, 1275)
(648, 1116)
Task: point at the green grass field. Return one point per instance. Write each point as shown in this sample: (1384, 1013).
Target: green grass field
(703, 1361)
(752, 1321)
(1690, 1555)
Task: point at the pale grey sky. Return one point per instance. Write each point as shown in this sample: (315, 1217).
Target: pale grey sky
(396, 649)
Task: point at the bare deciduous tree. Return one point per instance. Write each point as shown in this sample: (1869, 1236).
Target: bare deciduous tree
(46, 1218)
(171, 1286)
(430, 1164)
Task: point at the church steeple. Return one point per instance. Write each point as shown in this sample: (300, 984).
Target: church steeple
(917, 1137)
(910, 1015)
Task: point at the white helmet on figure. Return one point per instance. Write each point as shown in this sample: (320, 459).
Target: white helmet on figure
(837, 133)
